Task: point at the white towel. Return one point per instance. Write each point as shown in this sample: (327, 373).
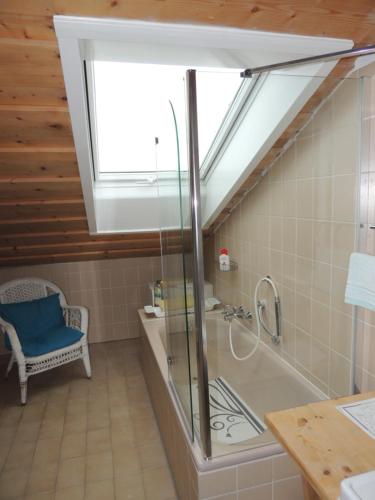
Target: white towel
(360, 286)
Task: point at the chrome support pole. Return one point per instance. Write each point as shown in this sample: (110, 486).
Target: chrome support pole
(198, 265)
(331, 56)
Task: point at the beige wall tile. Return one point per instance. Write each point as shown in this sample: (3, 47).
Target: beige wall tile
(344, 197)
(304, 269)
(305, 238)
(305, 198)
(305, 157)
(338, 291)
(283, 467)
(290, 198)
(343, 243)
(322, 245)
(320, 361)
(112, 290)
(254, 473)
(341, 333)
(339, 372)
(263, 492)
(303, 312)
(321, 282)
(323, 198)
(303, 349)
(217, 483)
(288, 489)
(320, 322)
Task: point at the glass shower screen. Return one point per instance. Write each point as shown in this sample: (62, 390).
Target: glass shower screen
(183, 275)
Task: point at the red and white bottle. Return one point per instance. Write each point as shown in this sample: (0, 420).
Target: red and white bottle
(224, 261)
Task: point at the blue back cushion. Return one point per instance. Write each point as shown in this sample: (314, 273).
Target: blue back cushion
(33, 318)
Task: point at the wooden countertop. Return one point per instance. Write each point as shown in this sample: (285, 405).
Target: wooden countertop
(324, 443)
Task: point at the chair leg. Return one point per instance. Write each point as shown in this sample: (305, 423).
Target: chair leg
(23, 383)
(86, 360)
(10, 365)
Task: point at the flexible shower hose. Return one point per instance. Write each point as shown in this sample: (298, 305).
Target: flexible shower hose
(256, 309)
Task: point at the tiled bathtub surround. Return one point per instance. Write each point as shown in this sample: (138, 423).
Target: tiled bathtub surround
(112, 290)
(298, 225)
(271, 478)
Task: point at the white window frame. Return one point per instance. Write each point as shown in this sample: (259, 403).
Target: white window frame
(240, 99)
(73, 33)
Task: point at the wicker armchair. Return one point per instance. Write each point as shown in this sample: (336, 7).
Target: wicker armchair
(75, 317)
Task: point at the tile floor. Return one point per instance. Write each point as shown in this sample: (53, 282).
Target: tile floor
(80, 439)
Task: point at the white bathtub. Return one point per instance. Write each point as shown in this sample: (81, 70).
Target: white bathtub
(265, 382)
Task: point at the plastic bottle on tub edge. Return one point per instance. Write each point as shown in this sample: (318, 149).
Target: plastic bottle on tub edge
(224, 261)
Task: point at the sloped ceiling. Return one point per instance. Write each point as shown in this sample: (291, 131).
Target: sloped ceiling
(42, 214)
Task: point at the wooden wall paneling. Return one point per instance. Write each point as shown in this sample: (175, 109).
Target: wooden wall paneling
(334, 18)
(32, 8)
(76, 257)
(79, 236)
(41, 206)
(35, 126)
(32, 96)
(30, 63)
(26, 27)
(38, 164)
(36, 190)
(42, 226)
(73, 247)
(14, 210)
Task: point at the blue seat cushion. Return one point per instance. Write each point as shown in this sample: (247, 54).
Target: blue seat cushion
(51, 340)
(33, 318)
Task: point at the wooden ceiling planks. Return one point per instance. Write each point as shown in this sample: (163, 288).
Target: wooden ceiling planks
(42, 215)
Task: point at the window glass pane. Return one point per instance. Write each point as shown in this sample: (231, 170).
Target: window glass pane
(215, 93)
(131, 107)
